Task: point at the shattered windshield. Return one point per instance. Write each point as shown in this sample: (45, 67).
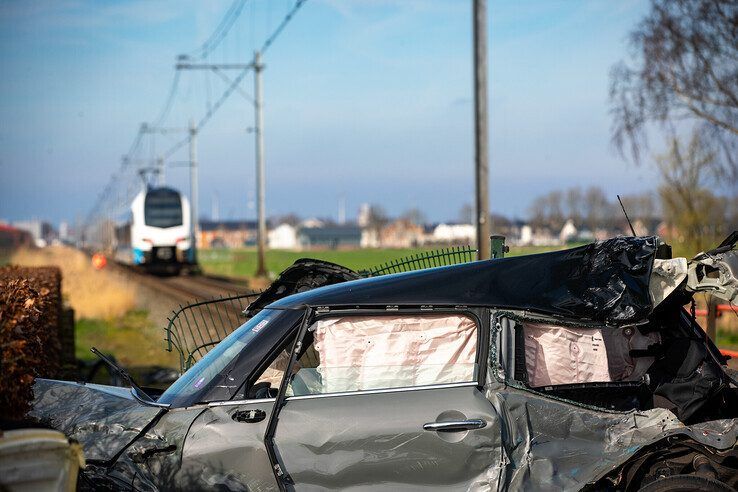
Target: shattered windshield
(212, 372)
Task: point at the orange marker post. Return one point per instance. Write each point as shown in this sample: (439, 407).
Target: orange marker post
(99, 261)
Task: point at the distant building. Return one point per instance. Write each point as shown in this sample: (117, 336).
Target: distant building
(568, 232)
(284, 236)
(312, 223)
(364, 215)
(227, 234)
(401, 234)
(329, 237)
(369, 238)
(41, 232)
(526, 235)
(537, 236)
(12, 237)
(454, 233)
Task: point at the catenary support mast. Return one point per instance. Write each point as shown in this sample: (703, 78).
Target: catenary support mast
(481, 132)
(260, 178)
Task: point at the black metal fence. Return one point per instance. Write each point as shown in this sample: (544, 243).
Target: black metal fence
(196, 328)
(427, 259)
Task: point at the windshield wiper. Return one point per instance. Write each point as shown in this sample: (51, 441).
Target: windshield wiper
(138, 393)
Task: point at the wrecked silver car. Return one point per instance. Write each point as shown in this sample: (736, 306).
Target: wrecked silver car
(577, 369)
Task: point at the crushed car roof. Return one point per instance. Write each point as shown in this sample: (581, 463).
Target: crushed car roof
(607, 281)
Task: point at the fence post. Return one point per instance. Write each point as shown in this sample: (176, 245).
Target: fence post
(712, 317)
(497, 245)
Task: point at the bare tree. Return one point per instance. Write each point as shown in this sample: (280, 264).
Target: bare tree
(548, 210)
(574, 205)
(414, 216)
(685, 70)
(697, 216)
(466, 214)
(377, 217)
(597, 208)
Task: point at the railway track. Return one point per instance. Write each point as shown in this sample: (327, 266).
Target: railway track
(188, 288)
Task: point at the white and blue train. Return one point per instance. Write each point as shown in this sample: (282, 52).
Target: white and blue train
(157, 232)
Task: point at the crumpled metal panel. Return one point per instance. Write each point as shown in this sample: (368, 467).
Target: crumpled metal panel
(367, 441)
(555, 445)
(221, 453)
(154, 460)
(104, 419)
(607, 281)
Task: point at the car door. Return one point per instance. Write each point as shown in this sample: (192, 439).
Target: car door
(225, 450)
(394, 401)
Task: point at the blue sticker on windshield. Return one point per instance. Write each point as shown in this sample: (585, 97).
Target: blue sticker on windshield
(260, 325)
(199, 382)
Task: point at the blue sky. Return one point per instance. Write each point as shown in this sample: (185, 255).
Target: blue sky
(371, 100)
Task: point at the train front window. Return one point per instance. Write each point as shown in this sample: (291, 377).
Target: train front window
(163, 208)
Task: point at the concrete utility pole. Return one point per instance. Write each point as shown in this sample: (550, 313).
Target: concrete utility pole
(260, 179)
(481, 132)
(194, 192)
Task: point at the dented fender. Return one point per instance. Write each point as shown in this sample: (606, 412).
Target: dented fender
(103, 419)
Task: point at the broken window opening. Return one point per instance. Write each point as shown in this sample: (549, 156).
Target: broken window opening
(661, 364)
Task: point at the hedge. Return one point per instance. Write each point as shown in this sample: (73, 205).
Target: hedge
(30, 314)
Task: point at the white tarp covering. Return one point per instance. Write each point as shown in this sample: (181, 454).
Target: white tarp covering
(562, 355)
(373, 352)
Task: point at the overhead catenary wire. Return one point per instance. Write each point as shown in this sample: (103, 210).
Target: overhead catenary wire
(211, 43)
(208, 115)
(220, 32)
(169, 100)
(234, 85)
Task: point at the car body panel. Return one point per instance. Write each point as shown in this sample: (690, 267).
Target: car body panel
(550, 444)
(226, 454)
(104, 419)
(369, 438)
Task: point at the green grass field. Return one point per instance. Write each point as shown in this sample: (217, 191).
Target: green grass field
(241, 263)
(131, 338)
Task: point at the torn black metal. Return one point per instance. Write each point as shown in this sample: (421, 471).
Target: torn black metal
(605, 281)
(303, 275)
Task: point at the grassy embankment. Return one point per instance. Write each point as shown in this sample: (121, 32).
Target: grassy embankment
(104, 302)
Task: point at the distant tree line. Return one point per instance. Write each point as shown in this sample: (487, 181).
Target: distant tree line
(591, 208)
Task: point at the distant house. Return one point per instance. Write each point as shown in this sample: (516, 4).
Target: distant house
(284, 236)
(454, 233)
(538, 236)
(11, 237)
(329, 237)
(568, 232)
(227, 234)
(369, 238)
(401, 234)
(42, 232)
(312, 222)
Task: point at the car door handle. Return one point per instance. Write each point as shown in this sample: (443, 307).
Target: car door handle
(455, 425)
(249, 416)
